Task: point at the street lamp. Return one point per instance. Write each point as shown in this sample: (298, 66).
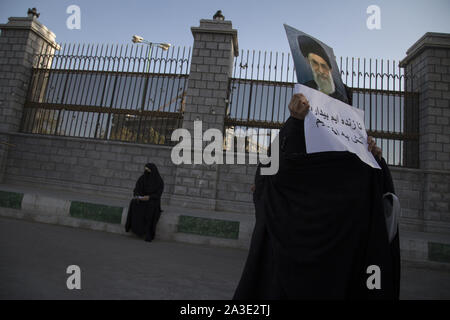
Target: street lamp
(163, 46)
(139, 39)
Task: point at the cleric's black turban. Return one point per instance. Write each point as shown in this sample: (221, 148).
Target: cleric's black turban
(308, 45)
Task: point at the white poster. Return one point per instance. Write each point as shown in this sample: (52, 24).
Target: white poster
(332, 125)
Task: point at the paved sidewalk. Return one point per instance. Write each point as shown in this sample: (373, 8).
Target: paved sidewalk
(34, 258)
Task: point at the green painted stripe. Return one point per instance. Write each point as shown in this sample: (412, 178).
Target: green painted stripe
(97, 212)
(439, 252)
(209, 227)
(11, 199)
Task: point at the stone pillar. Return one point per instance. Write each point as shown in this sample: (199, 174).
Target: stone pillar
(427, 71)
(215, 46)
(20, 40)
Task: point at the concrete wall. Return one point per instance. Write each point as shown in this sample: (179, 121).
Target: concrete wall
(427, 67)
(412, 187)
(84, 165)
(214, 49)
(108, 167)
(233, 187)
(20, 40)
(427, 70)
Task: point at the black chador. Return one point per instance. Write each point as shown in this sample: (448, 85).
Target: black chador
(145, 207)
(320, 227)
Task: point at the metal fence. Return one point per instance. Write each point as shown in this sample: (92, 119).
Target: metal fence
(131, 93)
(117, 92)
(263, 83)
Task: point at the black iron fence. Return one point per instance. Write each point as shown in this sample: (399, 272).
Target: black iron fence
(263, 84)
(135, 93)
(127, 93)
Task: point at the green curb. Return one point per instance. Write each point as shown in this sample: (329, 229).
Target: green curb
(438, 252)
(97, 212)
(11, 199)
(209, 227)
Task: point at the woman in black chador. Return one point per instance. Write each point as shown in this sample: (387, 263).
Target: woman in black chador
(320, 225)
(145, 207)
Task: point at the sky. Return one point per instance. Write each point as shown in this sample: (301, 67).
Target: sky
(340, 24)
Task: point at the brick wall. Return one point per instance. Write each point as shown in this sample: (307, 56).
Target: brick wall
(233, 187)
(418, 191)
(409, 187)
(84, 165)
(20, 39)
(430, 76)
(215, 45)
(106, 167)
(427, 70)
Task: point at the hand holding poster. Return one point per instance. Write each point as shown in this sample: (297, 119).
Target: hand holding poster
(332, 125)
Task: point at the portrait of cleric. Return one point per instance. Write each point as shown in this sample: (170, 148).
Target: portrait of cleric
(315, 64)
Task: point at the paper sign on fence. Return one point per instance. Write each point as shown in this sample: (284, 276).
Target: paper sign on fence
(332, 125)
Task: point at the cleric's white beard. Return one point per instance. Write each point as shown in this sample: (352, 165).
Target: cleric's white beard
(326, 86)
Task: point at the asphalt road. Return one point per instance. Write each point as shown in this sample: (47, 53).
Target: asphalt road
(34, 258)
